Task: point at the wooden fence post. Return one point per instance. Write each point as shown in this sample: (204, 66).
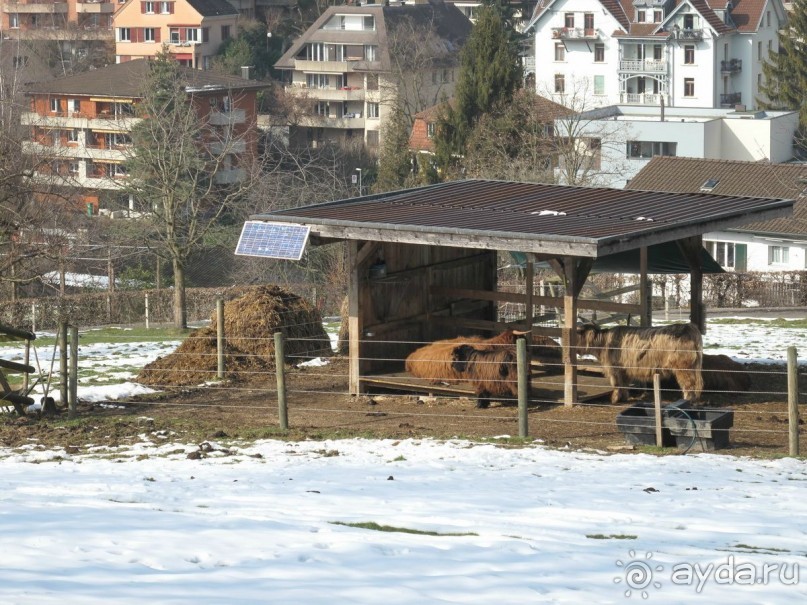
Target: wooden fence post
(72, 397)
(523, 365)
(147, 310)
(220, 336)
(282, 410)
(62, 336)
(657, 400)
(793, 400)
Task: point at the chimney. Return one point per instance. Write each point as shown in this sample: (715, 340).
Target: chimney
(245, 71)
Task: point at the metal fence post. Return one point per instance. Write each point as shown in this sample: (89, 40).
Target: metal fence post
(72, 397)
(793, 400)
(523, 385)
(220, 336)
(62, 337)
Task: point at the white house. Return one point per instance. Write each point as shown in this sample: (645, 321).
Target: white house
(631, 135)
(680, 53)
(775, 245)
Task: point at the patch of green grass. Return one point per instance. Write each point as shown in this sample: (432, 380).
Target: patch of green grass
(399, 459)
(611, 537)
(779, 322)
(758, 549)
(117, 335)
(404, 530)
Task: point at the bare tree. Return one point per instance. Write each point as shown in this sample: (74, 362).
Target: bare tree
(189, 167)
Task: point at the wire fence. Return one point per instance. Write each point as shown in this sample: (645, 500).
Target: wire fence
(321, 393)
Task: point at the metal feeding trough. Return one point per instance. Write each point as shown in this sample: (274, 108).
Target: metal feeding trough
(684, 426)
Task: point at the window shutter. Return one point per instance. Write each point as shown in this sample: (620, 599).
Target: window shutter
(741, 258)
(170, 8)
(137, 34)
(143, 8)
(157, 31)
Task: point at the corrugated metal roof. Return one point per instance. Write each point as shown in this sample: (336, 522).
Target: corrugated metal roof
(531, 217)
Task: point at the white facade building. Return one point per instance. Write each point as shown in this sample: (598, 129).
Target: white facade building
(632, 135)
(679, 53)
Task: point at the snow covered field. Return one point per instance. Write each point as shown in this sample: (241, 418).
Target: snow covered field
(270, 523)
(287, 523)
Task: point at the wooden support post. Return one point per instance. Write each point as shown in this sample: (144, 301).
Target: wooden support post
(282, 409)
(657, 401)
(62, 336)
(691, 249)
(529, 279)
(26, 377)
(220, 337)
(793, 400)
(72, 398)
(523, 385)
(645, 303)
(354, 323)
(147, 310)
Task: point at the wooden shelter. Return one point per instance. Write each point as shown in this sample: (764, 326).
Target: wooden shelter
(423, 261)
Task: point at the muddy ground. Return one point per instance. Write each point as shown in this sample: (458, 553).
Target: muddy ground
(319, 408)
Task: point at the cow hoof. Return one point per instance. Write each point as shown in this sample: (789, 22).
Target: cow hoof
(482, 404)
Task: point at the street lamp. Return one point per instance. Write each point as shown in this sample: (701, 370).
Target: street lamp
(268, 37)
(359, 171)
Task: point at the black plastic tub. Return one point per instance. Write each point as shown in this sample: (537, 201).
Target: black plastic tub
(638, 424)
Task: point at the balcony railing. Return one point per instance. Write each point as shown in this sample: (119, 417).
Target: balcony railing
(575, 33)
(35, 6)
(686, 34)
(347, 93)
(630, 98)
(643, 65)
(731, 98)
(732, 66)
(228, 118)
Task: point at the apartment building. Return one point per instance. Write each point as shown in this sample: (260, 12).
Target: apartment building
(192, 29)
(81, 126)
(677, 53)
(630, 135)
(347, 75)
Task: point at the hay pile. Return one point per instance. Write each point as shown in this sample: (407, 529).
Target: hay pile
(250, 322)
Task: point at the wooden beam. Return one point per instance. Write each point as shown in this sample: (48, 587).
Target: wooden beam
(17, 333)
(354, 320)
(691, 249)
(529, 279)
(645, 308)
(17, 367)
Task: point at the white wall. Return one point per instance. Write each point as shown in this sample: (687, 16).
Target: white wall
(757, 259)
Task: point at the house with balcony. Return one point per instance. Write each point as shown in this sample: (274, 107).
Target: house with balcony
(80, 127)
(192, 29)
(775, 245)
(81, 28)
(631, 135)
(346, 76)
(677, 53)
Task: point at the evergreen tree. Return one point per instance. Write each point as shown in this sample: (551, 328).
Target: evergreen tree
(395, 160)
(490, 73)
(785, 72)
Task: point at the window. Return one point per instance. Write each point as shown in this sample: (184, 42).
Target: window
(599, 52)
(20, 61)
(639, 150)
(369, 23)
(323, 108)
(568, 20)
(149, 34)
(372, 110)
(370, 51)
(148, 7)
(727, 254)
(560, 83)
(689, 22)
(72, 135)
(192, 34)
(124, 34)
(689, 87)
(225, 32)
(657, 16)
(778, 255)
(166, 8)
(689, 54)
(658, 52)
(54, 105)
(588, 23)
(768, 18)
(317, 80)
(759, 51)
(205, 36)
(173, 35)
(641, 16)
(72, 167)
(207, 61)
(430, 127)
(599, 85)
(14, 21)
(560, 52)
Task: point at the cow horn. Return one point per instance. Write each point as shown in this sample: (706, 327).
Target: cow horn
(521, 332)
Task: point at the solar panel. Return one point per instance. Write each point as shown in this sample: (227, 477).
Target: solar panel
(272, 240)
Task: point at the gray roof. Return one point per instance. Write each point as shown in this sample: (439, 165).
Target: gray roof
(531, 217)
(681, 175)
(127, 80)
(213, 8)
